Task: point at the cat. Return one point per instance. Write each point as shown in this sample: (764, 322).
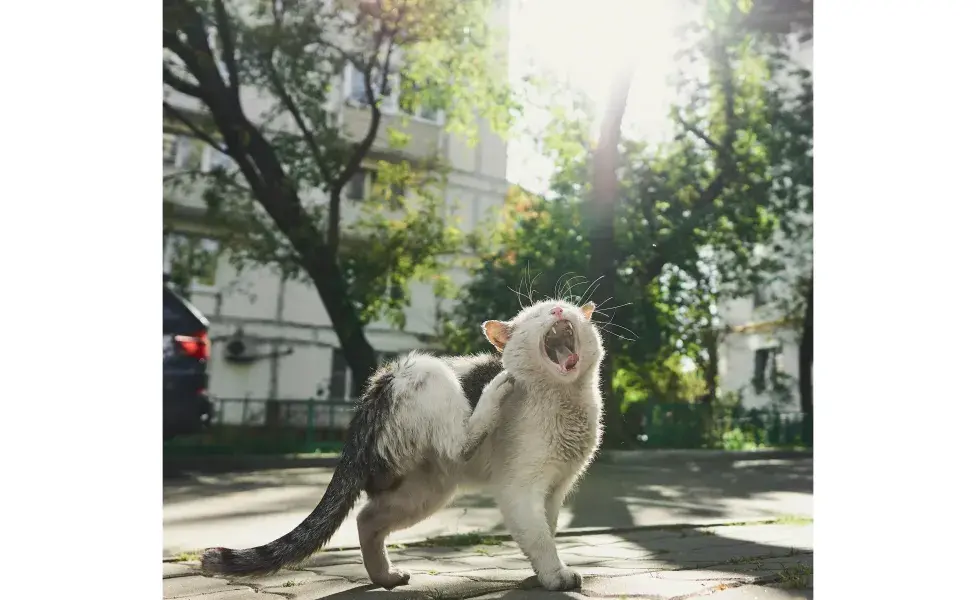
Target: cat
(523, 424)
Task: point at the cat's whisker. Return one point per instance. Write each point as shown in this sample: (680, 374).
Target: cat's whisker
(615, 307)
(518, 294)
(532, 283)
(612, 324)
(614, 333)
(570, 286)
(558, 286)
(587, 292)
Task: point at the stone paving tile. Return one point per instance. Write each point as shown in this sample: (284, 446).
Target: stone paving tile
(177, 570)
(644, 564)
(800, 536)
(633, 565)
(649, 584)
(453, 553)
(761, 592)
(350, 571)
(313, 590)
(324, 559)
(623, 550)
(429, 567)
(514, 577)
(193, 585)
(241, 595)
(494, 562)
(285, 577)
(519, 594)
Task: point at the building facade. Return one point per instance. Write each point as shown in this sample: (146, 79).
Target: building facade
(272, 339)
(759, 353)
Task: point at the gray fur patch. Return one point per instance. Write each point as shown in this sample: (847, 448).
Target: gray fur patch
(473, 382)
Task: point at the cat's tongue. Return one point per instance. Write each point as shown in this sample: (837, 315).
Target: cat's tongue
(567, 359)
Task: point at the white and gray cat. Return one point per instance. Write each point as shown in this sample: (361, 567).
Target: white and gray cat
(523, 426)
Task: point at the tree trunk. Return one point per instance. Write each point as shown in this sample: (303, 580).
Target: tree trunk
(806, 362)
(711, 367)
(271, 186)
(602, 247)
(359, 354)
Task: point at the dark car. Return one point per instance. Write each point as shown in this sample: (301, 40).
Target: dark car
(186, 351)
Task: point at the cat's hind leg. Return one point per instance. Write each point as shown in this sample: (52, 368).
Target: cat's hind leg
(406, 503)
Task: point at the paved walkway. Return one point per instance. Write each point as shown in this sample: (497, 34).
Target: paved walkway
(771, 560)
(240, 510)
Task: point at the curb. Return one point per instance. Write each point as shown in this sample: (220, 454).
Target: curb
(245, 462)
(173, 466)
(654, 457)
(575, 532)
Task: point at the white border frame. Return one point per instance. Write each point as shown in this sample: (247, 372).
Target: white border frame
(893, 154)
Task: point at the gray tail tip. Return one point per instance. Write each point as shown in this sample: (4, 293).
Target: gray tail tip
(214, 560)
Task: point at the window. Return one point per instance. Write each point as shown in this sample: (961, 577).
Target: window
(760, 295)
(356, 86)
(190, 260)
(340, 381)
(419, 110)
(767, 364)
(358, 187)
(214, 159)
(169, 149)
(356, 93)
(182, 152)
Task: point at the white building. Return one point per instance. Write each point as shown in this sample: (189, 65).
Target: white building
(759, 345)
(283, 324)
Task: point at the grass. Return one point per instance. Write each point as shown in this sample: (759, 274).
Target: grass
(395, 547)
(289, 583)
(793, 520)
(188, 556)
(796, 576)
(462, 540)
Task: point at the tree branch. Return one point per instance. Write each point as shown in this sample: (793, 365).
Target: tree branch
(698, 133)
(363, 147)
(181, 85)
(228, 52)
(189, 124)
(726, 173)
(282, 91)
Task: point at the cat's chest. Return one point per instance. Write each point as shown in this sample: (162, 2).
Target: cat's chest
(567, 433)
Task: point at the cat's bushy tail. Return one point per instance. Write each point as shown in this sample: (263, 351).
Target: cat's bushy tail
(357, 461)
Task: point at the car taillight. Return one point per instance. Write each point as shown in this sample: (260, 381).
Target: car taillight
(196, 346)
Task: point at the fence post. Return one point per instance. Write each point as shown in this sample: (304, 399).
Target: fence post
(309, 426)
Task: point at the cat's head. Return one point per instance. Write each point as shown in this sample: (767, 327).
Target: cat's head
(553, 339)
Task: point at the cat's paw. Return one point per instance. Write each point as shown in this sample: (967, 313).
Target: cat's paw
(392, 579)
(561, 580)
(501, 386)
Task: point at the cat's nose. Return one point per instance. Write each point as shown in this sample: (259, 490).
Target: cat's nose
(558, 311)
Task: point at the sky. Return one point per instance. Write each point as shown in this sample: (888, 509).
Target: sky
(584, 41)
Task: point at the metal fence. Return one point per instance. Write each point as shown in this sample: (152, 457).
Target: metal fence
(261, 426)
(730, 428)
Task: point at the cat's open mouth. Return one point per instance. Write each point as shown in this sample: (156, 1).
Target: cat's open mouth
(559, 346)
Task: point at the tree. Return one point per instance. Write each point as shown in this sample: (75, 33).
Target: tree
(280, 202)
(690, 215)
(603, 209)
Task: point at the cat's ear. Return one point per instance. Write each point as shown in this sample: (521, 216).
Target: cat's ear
(497, 332)
(587, 310)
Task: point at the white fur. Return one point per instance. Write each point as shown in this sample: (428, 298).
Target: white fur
(533, 433)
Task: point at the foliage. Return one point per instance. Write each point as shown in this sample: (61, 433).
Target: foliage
(259, 81)
(694, 216)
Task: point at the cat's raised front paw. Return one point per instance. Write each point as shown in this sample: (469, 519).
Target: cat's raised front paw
(500, 387)
(561, 580)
